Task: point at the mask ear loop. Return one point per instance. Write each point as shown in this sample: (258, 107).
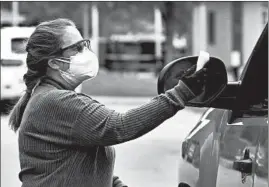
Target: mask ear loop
(64, 60)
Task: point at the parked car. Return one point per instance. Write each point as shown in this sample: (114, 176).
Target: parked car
(13, 61)
(14, 40)
(229, 144)
(12, 70)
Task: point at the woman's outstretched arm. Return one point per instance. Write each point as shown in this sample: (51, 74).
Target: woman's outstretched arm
(98, 125)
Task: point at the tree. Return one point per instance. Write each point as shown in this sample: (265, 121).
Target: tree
(169, 23)
(177, 18)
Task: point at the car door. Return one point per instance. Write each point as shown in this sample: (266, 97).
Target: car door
(261, 162)
(239, 144)
(243, 134)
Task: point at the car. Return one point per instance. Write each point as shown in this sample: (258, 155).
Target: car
(229, 144)
(14, 40)
(13, 61)
(12, 70)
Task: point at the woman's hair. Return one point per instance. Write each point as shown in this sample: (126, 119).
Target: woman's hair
(46, 39)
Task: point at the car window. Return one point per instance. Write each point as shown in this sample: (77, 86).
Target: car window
(253, 93)
(236, 139)
(18, 45)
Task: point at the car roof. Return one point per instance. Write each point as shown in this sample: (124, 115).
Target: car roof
(11, 56)
(13, 32)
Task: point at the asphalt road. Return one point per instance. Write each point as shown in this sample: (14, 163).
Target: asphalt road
(149, 161)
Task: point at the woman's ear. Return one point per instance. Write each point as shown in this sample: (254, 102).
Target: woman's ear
(53, 64)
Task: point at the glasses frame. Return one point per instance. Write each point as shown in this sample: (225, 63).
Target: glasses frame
(61, 50)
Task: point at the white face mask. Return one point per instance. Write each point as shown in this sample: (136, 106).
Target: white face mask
(82, 66)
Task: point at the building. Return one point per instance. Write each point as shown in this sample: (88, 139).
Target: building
(8, 18)
(222, 28)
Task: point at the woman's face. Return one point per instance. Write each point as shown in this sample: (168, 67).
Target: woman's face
(85, 62)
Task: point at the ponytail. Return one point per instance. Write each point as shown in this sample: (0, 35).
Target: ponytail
(17, 111)
(31, 79)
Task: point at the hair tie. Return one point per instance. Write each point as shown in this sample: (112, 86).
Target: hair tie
(28, 91)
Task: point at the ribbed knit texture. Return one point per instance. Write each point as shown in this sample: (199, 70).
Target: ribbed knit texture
(66, 138)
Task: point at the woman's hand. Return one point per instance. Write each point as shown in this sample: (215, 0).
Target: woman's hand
(117, 182)
(191, 84)
(195, 81)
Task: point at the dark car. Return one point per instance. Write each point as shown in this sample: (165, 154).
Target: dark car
(229, 145)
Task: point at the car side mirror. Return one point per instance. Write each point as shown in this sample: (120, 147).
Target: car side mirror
(216, 79)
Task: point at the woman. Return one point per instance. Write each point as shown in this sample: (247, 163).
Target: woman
(65, 137)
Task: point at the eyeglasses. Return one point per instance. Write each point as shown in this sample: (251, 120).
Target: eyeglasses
(76, 47)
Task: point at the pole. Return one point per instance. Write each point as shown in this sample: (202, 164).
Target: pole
(158, 36)
(85, 20)
(15, 13)
(95, 28)
(158, 31)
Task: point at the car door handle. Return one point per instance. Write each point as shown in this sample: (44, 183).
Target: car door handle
(244, 165)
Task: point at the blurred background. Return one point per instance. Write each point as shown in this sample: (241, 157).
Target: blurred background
(134, 41)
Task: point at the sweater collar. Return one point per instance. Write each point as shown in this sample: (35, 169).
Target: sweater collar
(52, 82)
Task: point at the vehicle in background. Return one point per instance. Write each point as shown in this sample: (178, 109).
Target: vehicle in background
(14, 40)
(13, 64)
(229, 144)
(12, 70)
(13, 67)
(13, 61)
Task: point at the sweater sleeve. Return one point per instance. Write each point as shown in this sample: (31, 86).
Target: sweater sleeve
(117, 182)
(98, 125)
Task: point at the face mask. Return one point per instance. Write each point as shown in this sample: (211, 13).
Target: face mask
(82, 66)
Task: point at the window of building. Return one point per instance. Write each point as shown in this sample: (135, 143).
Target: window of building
(264, 17)
(264, 12)
(211, 28)
(237, 26)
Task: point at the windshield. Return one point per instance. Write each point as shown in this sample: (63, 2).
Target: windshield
(18, 45)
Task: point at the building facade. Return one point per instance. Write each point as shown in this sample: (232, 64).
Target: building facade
(223, 28)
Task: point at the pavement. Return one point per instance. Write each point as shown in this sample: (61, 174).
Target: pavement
(149, 161)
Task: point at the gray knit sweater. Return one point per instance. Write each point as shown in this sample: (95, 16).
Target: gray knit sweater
(66, 138)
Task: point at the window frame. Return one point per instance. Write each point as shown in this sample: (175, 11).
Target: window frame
(242, 107)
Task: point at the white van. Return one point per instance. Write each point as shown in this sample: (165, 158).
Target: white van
(14, 40)
(12, 70)
(13, 61)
